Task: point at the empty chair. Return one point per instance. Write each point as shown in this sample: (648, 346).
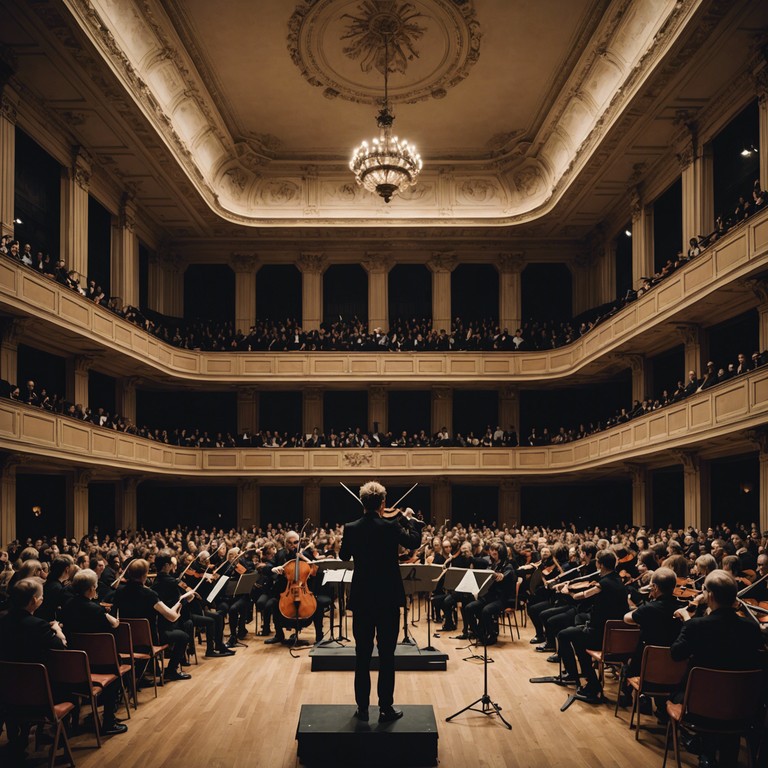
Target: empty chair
(619, 643)
(144, 650)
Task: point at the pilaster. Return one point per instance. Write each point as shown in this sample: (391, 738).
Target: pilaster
(75, 182)
(378, 408)
(378, 265)
(509, 503)
(441, 264)
(9, 103)
(8, 464)
(245, 266)
(312, 500)
(509, 408)
(642, 495)
(248, 504)
(759, 287)
(510, 266)
(77, 503)
(760, 438)
(125, 255)
(125, 397)
(760, 79)
(696, 491)
(312, 266)
(642, 240)
(441, 501)
(126, 514)
(442, 409)
(77, 369)
(11, 330)
(695, 347)
(247, 410)
(312, 409)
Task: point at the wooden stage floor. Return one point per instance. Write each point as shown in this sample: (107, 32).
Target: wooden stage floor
(242, 712)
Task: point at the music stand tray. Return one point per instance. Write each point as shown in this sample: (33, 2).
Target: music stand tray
(422, 578)
(338, 573)
(243, 585)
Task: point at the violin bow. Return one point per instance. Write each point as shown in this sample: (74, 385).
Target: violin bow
(351, 493)
(394, 506)
(753, 584)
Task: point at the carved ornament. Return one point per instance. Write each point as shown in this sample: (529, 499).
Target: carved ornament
(357, 458)
(312, 263)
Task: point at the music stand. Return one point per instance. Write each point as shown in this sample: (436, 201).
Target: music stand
(338, 573)
(488, 706)
(475, 582)
(421, 578)
(243, 585)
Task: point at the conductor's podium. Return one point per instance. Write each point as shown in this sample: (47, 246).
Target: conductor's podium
(329, 734)
(337, 658)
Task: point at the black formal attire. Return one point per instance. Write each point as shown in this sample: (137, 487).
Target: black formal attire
(573, 642)
(81, 615)
(451, 599)
(237, 607)
(200, 615)
(658, 626)
(721, 640)
(55, 596)
(479, 615)
(544, 611)
(376, 596)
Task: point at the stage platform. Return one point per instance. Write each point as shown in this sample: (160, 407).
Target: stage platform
(336, 658)
(329, 734)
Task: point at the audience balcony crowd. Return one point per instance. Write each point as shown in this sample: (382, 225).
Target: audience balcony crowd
(360, 437)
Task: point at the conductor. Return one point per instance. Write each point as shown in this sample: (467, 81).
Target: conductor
(376, 595)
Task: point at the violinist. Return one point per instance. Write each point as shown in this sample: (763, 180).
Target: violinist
(376, 594)
(463, 559)
(236, 607)
(657, 622)
(480, 615)
(263, 591)
(719, 640)
(610, 601)
(560, 612)
(547, 568)
(731, 564)
(442, 554)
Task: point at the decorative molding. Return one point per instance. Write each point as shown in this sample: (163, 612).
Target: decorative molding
(247, 263)
(443, 261)
(378, 262)
(511, 263)
(312, 263)
(758, 286)
(357, 458)
(690, 333)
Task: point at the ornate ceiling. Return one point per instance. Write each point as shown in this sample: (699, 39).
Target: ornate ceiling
(245, 114)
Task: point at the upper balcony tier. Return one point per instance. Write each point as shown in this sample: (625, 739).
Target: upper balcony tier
(707, 290)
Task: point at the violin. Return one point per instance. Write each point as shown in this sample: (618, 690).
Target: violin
(759, 609)
(297, 601)
(395, 513)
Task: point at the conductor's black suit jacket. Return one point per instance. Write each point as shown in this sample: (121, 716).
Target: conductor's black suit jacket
(373, 544)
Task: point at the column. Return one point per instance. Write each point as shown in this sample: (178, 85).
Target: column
(760, 438)
(441, 502)
(378, 410)
(77, 378)
(696, 490)
(247, 410)
(8, 106)
(77, 503)
(642, 495)
(642, 240)
(125, 255)
(10, 332)
(697, 176)
(695, 348)
(509, 503)
(759, 287)
(510, 266)
(173, 284)
(312, 266)
(642, 375)
(378, 265)
(583, 290)
(126, 515)
(8, 464)
(155, 280)
(441, 265)
(312, 409)
(509, 408)
(608, 271)
(245, 266)
(312, 500)
(442, 409)
(75, 182)
(248, 504)
(761, 81)
(125, 397)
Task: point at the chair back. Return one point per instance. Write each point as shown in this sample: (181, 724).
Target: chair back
(619, 640)
(25, 694)
(658, 668)
(717, 694)
(141, 633)
(70, 668)
(101, 650)
(124, 640)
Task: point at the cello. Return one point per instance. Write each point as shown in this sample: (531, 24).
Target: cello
(296, 601)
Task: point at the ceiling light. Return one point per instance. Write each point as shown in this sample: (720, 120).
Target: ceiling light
(746, 152)
(628, 232)
(18, 221)
(387, 165)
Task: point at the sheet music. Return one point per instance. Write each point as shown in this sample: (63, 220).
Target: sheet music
(468, 583)
(217, 588)
(335, 576)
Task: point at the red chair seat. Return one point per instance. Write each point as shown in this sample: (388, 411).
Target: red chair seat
(63, 709)
(675, 711)
(124, 669)
(596, 655)
(634, 682)
(102, 681)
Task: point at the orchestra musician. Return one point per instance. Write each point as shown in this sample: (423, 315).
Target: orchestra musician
(610, 602)
(376, 594)
(480, 615)
(464, 559)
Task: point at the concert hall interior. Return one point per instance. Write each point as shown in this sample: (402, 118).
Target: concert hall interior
(552, 341)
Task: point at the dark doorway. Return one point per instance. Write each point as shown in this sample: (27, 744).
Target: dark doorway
(46, 370)
(668, 498)
(605, 504)
(166, 506)
(278, 292)
(345, 293)
(344, 410)
(476, 505)
(41, 506)
(409, 410)
(667, 369)
(735, 490)
(668, 225)
(624, 261)
(475, 292)
(282, 505)
(101, 509)
(410, 292)
(99, 245)
(473, 411)
(209, 293)
(547, 292)
(281, 411)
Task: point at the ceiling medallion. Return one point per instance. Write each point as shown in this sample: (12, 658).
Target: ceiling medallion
(337, 46)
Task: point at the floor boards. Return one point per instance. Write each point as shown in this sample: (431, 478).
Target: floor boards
(242, 712)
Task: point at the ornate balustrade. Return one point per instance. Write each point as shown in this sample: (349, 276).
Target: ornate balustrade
(715, 418)
(742, 253)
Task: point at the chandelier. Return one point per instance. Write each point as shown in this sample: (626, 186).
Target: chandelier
(387, 165)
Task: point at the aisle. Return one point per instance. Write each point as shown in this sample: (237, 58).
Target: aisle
(242, 712)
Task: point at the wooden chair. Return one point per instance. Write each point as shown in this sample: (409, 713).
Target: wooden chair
(26, 698)
(70, 674)
(510, 613)
(660, 675)
(715, 702)
(619, 643)
(124, 641)
(106, 668)
(144, 650)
